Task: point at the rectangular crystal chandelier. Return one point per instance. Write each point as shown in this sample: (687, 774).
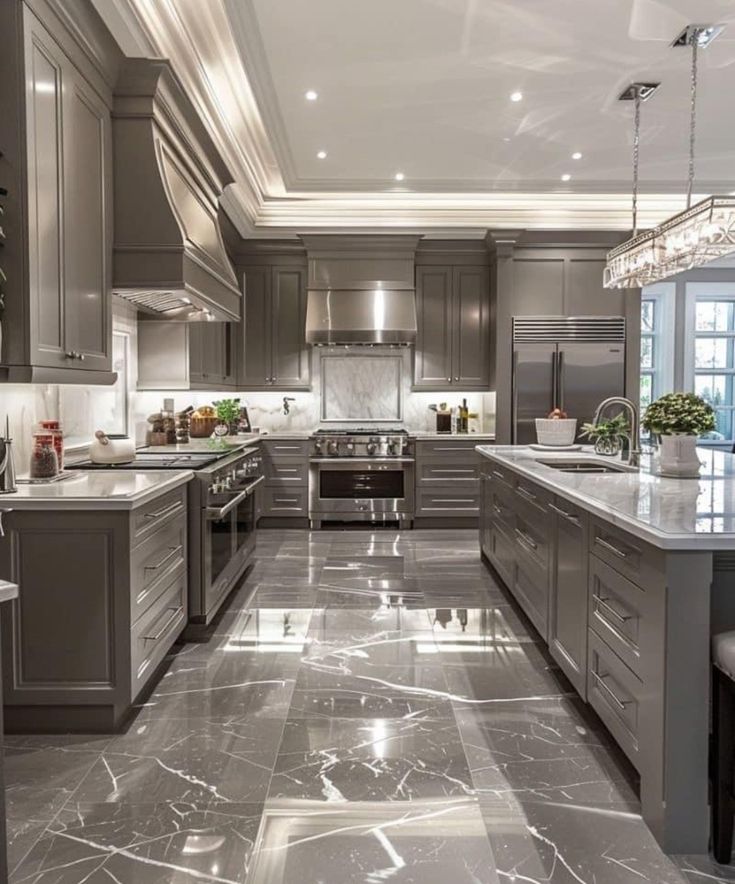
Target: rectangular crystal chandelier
(690, 239)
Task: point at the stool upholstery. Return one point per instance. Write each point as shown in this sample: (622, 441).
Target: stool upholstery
(723, 652)
(723, 754)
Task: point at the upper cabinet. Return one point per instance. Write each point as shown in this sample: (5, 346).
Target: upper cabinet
(453, 308)
(186, 355)
(55, 103)
(273, 353)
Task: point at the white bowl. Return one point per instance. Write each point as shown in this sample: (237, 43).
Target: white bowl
(556, 432)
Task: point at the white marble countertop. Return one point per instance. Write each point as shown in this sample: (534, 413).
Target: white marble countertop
(668, 513)
(459, 436)
(8, 591)
(97, 490)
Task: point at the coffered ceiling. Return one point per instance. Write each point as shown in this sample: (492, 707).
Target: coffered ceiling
(423, 88)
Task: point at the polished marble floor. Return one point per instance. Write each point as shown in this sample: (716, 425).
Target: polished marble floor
(371, 708)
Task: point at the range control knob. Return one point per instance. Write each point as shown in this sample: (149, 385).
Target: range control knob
(350, 446)
(371, 447)
(317, 446)
(333, 447)
(392, 446)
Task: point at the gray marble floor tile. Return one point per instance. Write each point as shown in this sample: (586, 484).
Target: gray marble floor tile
(21, 836)
(422, 843)
(704, 870)
(159, 761)
(272, 629)
(376, 567)
(170, 843)
(574, 844)
(467, 634)
(369, 760)
(357, 653)
(327, 623)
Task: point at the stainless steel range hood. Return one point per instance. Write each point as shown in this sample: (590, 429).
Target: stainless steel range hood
(169, 253)
(361, 290)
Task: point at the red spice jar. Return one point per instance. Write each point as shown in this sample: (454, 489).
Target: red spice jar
(53, 429)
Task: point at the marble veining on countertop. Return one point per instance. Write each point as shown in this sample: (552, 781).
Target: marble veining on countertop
(8, 591)
(668, 513)
(429, 434)
(98, 489)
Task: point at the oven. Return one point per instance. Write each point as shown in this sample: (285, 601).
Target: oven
(374, 489)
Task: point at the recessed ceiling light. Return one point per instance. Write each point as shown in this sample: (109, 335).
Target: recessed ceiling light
(566, 177)
(516, 96)
(311, 95)
(400, 176)
(576, 155)
(322, 154)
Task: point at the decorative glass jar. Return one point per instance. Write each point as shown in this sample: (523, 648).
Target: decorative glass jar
(608, 445)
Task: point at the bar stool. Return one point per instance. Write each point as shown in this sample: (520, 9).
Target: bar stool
(723, 756)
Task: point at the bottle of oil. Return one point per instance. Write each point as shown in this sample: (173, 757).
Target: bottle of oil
(464, 417)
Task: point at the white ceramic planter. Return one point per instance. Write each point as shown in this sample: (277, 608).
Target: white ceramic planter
(678, 457)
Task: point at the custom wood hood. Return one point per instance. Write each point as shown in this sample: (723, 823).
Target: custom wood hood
(169, 254)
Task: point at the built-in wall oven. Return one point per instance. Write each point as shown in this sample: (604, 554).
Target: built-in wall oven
(361, 477)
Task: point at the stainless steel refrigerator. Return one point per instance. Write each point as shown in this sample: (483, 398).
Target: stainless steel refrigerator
(572, 363)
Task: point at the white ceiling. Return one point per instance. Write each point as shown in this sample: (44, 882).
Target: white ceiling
(423, 86)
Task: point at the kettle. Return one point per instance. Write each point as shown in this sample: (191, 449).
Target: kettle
(111, 449)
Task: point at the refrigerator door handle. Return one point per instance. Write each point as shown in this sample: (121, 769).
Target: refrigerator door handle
(554, 381)
(514, 399)
(560, 379)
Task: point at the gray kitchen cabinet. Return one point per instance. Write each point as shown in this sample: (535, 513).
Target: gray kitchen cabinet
(453, 335)
(273, 349)
(286, 482)
(447, 482)
(104, 598)
(186, 355)
(568, 592)
(58, 154)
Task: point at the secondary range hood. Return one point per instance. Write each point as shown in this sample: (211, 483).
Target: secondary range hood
(169, 253)
(361, 289)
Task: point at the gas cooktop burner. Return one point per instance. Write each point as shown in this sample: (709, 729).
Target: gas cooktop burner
(152, 462)
(363, 431)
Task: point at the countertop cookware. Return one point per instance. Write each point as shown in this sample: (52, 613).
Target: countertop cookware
(111, 448)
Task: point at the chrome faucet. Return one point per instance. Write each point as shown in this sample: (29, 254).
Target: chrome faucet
(633, 453)
(286, 403)
(7, 467)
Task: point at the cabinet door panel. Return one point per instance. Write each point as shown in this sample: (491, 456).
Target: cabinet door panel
(289, 355)
(255, 365)
(87, 153)
(433, 353)
(45, 206)
(585, 295)
(471, 325)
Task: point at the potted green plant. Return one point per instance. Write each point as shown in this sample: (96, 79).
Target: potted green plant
(607, 435)
(677, 419)
(228, 414)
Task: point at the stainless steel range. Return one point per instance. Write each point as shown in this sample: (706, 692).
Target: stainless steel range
(361, 475)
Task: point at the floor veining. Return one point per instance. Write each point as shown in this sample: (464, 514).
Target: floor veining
(372, 708)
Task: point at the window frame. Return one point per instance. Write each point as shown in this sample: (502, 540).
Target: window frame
(663, 295)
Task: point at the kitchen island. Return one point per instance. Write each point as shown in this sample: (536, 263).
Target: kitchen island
(101, 559)
(625, 574)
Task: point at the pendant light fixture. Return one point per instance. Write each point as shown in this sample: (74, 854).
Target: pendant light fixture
(695, 236)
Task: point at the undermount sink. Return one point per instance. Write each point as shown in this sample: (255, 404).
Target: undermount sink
(587, 465)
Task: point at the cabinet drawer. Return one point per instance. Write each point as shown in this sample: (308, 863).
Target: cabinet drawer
(154, 562)
(148, 518)
(498, 474)
(286, 470)
(501, 513)
(156, 631)
(531, 589)
(502, 554)
(615, 612)
(277, 448)
(636, 560)
(433, 471)
(285, 501)
(615, 694)
(446, 449)
(533, 537)
(458, 502)
(530, 495)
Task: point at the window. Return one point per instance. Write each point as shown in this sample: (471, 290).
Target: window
(649, 346)
(657, 340)
(714, 360)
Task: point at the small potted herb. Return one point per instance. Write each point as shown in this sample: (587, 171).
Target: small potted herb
(677, 419)
(228, 414)
(608, 435)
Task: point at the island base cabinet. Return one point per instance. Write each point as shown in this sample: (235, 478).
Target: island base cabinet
(85, 638)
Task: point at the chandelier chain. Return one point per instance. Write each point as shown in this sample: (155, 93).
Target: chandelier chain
(636, 152)
(692, 118)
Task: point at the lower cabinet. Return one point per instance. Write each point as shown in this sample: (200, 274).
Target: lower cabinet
(285, 492)
(104, 598)
(568, 592)
(447, 482)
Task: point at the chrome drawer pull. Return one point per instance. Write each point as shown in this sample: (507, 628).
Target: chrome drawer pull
(497, 510)
(173, 550)
(526, 539)
(175, 612)
(453, 448)
(453, 500)
(569, 516)
(499, 475)
(608, 691)
(524, 492)
(621, 618)
(159, 514)
(453, 471)
(613, 549)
